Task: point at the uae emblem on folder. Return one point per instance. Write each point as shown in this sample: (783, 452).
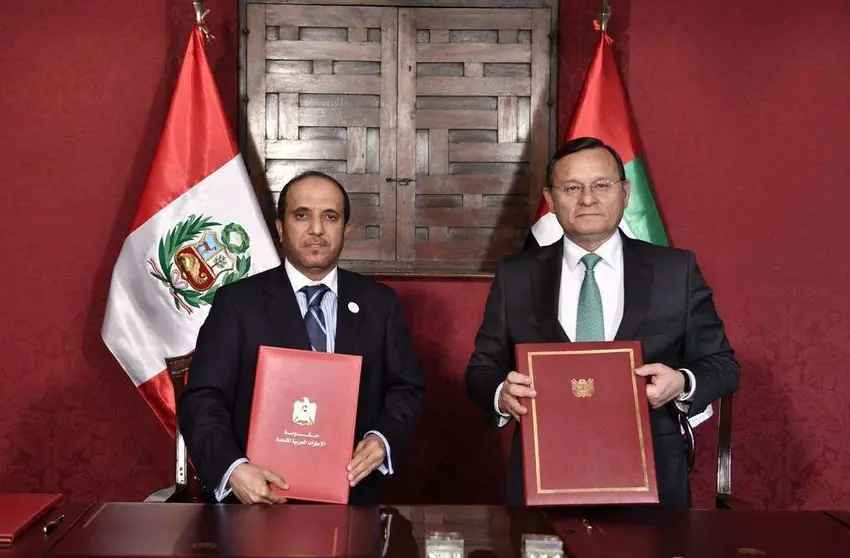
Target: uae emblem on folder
(304, 412)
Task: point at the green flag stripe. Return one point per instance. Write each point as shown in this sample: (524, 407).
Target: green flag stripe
(642, 215)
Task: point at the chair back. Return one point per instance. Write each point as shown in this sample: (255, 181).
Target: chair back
(188, 487)
(723, 493)
(724, 446)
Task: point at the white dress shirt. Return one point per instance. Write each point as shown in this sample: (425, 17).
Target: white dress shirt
(609, 278)
(329, 309)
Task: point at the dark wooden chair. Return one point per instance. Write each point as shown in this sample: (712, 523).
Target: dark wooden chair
(723, 493)
(187, 487)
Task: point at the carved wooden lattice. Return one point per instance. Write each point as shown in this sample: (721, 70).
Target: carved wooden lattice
(434, 119)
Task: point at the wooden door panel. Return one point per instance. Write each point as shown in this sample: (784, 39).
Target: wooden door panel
(322, 83)
(479, 152)
(435, 120)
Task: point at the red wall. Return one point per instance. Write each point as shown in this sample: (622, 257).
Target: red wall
(742, 109)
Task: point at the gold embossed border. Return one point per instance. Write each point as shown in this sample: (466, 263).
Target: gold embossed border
(540, 489)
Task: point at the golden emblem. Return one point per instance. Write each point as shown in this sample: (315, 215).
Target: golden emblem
(582, 388)
(751, 552)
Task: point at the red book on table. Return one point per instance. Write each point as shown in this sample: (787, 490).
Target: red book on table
(587, 437)
(303, 419)
(19, 511)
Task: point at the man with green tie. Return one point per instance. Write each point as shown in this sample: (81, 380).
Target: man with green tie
(597, 284)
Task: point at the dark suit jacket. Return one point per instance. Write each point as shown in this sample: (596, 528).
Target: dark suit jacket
(214, 410)
(667, 306)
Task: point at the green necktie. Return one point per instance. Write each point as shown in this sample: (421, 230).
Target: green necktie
(589, 321)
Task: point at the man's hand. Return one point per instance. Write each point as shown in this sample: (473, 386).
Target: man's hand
(516, 386)
(664, 384)
(250, 483)
(368, 456)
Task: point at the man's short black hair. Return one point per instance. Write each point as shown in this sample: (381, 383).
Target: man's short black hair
(281, 202)
(580, 144)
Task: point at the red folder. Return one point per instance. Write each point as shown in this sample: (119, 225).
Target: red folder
(587, 437)
(303, 419)
(19, 511)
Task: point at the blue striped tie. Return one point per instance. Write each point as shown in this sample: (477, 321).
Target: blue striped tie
(314, 319)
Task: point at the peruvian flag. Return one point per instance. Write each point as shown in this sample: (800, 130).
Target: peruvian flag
(198, 226)
(603, 112)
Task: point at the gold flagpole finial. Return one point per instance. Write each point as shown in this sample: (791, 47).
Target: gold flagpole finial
(604, 16)
(200, 14)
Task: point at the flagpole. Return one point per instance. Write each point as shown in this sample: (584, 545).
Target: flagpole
(604, 16)
(200, 14)
(199, 10)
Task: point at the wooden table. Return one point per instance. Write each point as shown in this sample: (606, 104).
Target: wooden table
(150, 530)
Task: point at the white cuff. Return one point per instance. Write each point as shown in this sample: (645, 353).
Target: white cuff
(504, 418)
(683, 402)
(385, 468)
(687, 397)
(699, 418)
(223, 489)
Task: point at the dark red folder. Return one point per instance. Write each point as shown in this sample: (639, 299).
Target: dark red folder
(587, 438)
(303, 419)
(19, 511)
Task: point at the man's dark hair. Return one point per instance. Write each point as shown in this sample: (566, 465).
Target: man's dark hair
(281, 201)
(580, 144)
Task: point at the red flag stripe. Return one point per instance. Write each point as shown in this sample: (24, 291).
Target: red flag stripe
(159, 394)
(602, 108)
(542, 209)
(195, 112)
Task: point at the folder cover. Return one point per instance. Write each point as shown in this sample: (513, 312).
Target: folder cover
(19, 511)
(587, 437)
(303, 420)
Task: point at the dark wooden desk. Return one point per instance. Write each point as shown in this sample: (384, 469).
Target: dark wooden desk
(488, 531)
(840, 515)
(147, 530)
(656, 532)
(112, 530)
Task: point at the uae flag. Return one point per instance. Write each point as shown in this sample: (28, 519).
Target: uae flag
(602, 112)
(198, 226)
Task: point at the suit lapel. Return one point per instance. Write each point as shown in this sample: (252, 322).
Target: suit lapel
(347, 320)
(546, 286)
(284, 313)
(637, 284)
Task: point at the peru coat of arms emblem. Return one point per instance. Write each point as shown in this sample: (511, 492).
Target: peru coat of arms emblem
(197, 257)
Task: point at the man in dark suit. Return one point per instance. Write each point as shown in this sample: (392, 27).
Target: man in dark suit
(597, 284)
(305, 303)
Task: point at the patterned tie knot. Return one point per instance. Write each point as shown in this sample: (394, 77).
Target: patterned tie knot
(590, 260)
(314, 294)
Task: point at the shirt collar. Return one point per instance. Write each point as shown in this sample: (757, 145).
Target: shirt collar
(611, 252)
(299, 280)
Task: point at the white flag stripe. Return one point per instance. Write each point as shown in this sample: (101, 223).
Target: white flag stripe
(142, 325)
(547, 230)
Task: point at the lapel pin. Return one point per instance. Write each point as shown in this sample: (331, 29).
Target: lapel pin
(352, 306)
